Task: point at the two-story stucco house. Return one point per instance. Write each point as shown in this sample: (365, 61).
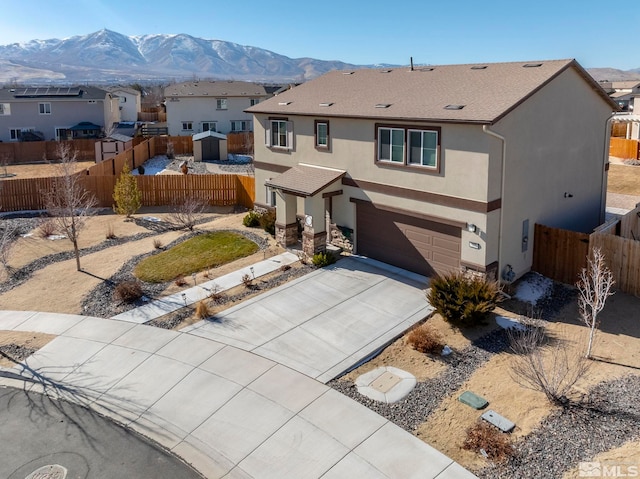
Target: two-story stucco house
(129, 102)
(56, 113)
(195, 107)
(436, 168)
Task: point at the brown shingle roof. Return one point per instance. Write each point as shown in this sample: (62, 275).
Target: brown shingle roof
(216, 89)
(305, 180)
(486, 92)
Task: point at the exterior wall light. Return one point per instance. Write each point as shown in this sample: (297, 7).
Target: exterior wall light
(471, 228)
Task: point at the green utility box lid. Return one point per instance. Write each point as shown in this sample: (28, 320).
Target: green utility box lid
(473, 400)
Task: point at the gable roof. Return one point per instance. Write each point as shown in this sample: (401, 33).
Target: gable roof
(208, 134)
(215, 89)
(486, 92)
(305, 180)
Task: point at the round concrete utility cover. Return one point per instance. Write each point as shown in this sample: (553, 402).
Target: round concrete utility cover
(386, 384)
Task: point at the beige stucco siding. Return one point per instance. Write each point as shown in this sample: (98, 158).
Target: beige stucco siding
(546, 158)
(464, 156)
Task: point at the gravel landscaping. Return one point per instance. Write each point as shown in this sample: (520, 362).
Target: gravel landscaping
(608, 418)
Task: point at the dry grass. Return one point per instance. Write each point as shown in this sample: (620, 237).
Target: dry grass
(624, 180)
(202, 310)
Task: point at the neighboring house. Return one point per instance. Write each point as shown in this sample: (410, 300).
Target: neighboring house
(437, 168)
(55, 113)
(625, 93)
(129, 101)
(195, 107)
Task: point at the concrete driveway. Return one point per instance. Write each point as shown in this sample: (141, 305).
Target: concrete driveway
(327, 321)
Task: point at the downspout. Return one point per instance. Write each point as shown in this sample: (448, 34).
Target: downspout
(605, 158)
(485, 129)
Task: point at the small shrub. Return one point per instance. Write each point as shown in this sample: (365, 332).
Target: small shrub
(426, 340)
(128, 291)
(495, 443)
(157, 244)
(180, 281)
(247, 280)
(251, 219)
(268, 222)
(141, 170)
(285, 267)
(202, 310)
(463, 301)
(320, 260)
(215, 295)
(110, 234)
(46, 229)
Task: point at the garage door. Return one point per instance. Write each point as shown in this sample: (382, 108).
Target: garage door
(416, 244)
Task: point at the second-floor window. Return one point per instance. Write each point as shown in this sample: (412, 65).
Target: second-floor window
(409, 146)
(187, 125)
(279, 134)
(5, 109)
(322, 134)
(221, 103)
(241, 125)
(254, 101)
(44, 108)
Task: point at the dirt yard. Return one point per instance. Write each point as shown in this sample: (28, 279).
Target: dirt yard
(37, 170)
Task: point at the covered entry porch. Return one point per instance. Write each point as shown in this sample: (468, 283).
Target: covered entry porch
(307, 191)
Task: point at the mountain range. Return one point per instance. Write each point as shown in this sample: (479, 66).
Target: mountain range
(107, 56)
(110, 57)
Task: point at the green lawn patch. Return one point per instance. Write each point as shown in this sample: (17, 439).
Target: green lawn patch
(195, 254)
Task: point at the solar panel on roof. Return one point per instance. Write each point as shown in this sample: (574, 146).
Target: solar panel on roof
(48, 91)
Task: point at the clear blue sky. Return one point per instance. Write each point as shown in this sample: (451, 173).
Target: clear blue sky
(596, 33)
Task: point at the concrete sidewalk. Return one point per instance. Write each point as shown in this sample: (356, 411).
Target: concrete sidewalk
(228, 412)
(326, 321)
(174, 302)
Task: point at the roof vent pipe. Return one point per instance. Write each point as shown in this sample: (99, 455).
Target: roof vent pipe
(411, 58)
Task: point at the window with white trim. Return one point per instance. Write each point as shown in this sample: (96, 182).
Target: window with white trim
(5, 109)
(187, 125)
(270, 196)
(391, 144)
(209, 126)
(241, 125)
(279, 134)
(63, 134)
(254, 101)
(409, 146)
(221, 103)
(44, 108)
(322, 134)
(423, 148)
(15, 134)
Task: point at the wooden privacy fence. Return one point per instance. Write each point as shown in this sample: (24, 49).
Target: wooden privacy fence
(240, 143)
(561, 255)
(157, 190)
(621, 148)
(152, 116)
(37, 151)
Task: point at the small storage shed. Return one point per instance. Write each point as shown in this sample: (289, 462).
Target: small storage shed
(112, 146)
(209, 146)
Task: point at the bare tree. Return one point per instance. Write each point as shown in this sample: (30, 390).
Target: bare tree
(8, 233)
(187, 212)
(67, 201)
(594, 287)
(544, 365)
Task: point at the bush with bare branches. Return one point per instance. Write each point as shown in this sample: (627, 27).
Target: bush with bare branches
(546, 365)
(594, 287)
(128, 291)
(187, 212)
(8, 234)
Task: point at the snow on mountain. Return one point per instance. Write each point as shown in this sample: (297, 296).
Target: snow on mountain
(106, 55)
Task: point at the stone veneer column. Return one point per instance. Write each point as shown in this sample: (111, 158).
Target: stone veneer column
(286, 235)
(286, 223)
(313, 243)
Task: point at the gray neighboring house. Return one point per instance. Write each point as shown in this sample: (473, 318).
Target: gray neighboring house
(195, 107)
(436, 168)
(55, 113)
